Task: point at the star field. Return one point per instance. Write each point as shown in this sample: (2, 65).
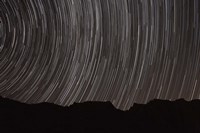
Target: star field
(123, 51)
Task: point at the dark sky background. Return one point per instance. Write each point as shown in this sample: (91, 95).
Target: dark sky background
(123, 51)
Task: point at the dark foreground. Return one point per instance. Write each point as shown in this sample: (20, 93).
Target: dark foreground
(96, 117)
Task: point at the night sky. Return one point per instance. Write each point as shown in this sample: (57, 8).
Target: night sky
(123, 51)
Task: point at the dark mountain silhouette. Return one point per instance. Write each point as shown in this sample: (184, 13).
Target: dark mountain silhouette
(99, 117)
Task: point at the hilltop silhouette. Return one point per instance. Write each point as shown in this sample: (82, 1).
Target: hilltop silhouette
(99, 117)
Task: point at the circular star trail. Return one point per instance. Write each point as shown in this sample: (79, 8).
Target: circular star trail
(123, 51)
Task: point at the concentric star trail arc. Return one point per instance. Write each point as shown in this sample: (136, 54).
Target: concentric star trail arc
(123, 51)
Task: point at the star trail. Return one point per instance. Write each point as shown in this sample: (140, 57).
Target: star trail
(123, 51)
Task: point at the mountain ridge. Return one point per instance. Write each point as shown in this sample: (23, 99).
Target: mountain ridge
(156, 116)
